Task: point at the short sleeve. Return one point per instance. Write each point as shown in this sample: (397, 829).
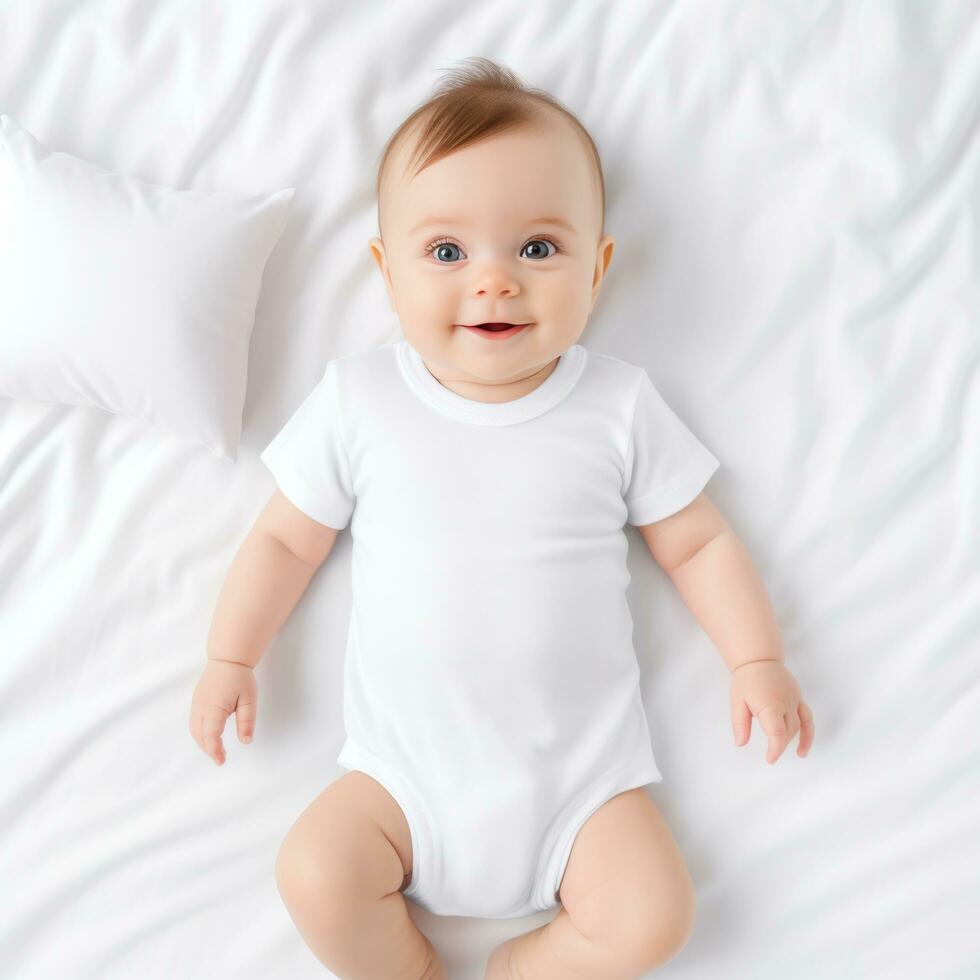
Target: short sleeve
(666, 465)
(308, 457)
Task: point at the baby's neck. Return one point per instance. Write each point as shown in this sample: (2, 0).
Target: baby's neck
(497, 392)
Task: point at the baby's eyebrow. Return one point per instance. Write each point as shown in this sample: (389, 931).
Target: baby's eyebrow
(433, 222)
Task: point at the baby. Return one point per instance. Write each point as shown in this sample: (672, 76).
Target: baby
(497, 744)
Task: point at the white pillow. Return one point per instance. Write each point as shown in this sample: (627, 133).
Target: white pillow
(129, 296)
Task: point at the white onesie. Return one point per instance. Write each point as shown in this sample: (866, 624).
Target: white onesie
(491, 685)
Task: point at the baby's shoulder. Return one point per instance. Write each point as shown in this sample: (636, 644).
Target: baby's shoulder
(365, 368)
(613, 365)
(371, 358)
(619, 379)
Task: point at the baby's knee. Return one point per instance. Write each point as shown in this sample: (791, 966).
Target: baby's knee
(318, 884)
(641, 928)
(651, 933)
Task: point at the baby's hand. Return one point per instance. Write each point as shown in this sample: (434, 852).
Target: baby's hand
(767, 690)
(223, 687)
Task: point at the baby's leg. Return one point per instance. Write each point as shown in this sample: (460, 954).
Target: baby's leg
(627, 902)
(340, 870)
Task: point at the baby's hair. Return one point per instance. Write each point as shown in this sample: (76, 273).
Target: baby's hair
(473, 102)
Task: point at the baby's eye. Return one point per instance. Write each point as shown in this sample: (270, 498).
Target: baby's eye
(542, 241)
(440, 248)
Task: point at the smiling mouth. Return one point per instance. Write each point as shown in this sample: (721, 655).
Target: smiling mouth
(493, 327)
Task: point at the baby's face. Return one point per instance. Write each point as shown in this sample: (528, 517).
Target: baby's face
(472, 239)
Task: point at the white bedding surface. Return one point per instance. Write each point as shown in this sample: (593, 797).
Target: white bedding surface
(795, 193)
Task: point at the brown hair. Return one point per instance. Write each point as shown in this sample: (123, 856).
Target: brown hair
(474, 102)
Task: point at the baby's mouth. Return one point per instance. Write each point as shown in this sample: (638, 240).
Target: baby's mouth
(495, 327)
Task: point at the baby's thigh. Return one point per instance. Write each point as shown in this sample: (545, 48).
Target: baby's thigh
(625, 881)
(351, 842)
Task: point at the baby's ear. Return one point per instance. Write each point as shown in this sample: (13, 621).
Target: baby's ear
(381, 260)
(604, 254)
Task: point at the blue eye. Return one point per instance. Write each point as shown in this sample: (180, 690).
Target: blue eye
(439, 247)
(539, 241)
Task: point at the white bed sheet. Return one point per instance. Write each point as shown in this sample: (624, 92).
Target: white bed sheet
(795, 193)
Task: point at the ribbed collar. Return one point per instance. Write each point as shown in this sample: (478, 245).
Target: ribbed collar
(551, 391)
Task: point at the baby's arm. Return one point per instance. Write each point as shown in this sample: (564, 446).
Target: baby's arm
(268, 575)
(712, 570)
(715, 576)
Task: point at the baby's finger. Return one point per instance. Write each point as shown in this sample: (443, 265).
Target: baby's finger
(806, 729)
(773, 720)
(195, 723)
(245, 719)
(792, 725)
(741, 720)
(212, 725)
(195, 728)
